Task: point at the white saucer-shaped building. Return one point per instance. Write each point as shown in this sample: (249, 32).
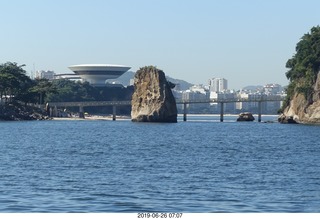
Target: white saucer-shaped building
(97, 74)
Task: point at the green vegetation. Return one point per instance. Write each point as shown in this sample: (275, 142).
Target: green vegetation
(17, 87)
(304, 66)
(14, 83)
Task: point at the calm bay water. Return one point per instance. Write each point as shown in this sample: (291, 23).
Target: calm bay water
(195, 166)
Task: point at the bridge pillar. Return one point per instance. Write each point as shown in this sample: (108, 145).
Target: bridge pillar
(260, 111)
(221, 111)
(55, 111)
(81, 112)
(50, 112)
(114, 112)
(184, 112)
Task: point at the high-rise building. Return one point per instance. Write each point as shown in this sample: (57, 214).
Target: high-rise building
(45, 74)
(218, 84)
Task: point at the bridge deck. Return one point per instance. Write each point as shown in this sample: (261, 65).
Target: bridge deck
(114, 104)
(128, 102)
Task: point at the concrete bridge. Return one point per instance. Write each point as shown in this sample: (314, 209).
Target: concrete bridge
(83, 104)
(114, 104)
(222, 102)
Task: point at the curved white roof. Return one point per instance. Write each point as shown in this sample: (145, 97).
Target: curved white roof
(99, 67)
(97, 74)
(102, 65)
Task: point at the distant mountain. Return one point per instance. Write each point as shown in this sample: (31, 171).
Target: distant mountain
(184, 85)
(125, 80)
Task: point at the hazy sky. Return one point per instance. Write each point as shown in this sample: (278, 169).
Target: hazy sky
(245, 41)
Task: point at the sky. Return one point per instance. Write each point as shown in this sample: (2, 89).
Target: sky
(245, 41)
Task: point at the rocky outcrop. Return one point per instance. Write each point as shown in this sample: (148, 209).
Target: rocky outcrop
(245, 117)
(286, 119)
(152, 100)
(302, 110)
(18, 112)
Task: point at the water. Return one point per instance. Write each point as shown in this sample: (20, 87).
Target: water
(195, 166)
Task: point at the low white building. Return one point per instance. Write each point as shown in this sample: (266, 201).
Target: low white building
(272, 89)
(224, 95)
(248, 106)
(269, 107)
(196, 93)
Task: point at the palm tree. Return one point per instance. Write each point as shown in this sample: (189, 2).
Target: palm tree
(13, 80)
(42, 87)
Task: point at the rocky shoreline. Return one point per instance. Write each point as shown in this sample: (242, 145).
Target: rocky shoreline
(18, 112)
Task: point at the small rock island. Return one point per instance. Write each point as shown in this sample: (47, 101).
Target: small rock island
(152, 99)
(245, 117)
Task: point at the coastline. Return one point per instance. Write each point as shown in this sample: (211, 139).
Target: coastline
(110, 118)
(93, 117)
(218, 115)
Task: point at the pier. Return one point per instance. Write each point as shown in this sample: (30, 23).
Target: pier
(116, 104)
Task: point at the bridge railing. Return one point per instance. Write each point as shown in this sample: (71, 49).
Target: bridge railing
(91, 103)
(232, 100)
(178, 101)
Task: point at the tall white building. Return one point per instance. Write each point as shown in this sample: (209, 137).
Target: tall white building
(45, 74)
(218, 84)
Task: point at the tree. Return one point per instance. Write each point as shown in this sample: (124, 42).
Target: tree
(66, 90)
(304, 65)
(13, 80)
(42, 87)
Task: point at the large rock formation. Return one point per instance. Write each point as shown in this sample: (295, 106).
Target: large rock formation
(301, 110)
(152, 100)
(303, 92)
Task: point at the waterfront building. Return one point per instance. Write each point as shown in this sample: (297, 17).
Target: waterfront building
(272, 89)
(266, 107)
(177, 94)
(271, 107)
(196, 93)
(223, 95)
(248, 106)
(198, 88)
(218, 84)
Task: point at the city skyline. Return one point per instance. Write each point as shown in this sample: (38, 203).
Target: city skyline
(248, 41)
(219, 84)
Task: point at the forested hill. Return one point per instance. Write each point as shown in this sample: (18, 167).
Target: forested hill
(304, 65)
(303, 92)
